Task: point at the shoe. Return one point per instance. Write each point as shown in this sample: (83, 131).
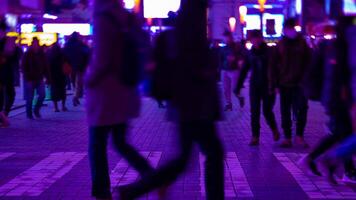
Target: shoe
(162, 192)
(124, 193)
(309, 163)
(287, 143)
(301, 142)
(254, 141)
(276, 135)
(350, 177)
(37, 114)
(241, 101)
(331, 168)
(4, 120)
(56, 110)
(228, 107)
(76, 102)
(64, 109)
(29, 116)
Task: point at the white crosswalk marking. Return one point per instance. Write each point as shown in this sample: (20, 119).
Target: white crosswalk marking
(41, 176)
(123, 174)
(236, 184)
(315, 187)
(3, 156)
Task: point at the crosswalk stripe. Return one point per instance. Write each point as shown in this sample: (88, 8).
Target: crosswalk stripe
(315, 187)
(3, 156)
(236, 184)
(41, 176)
(123, 174)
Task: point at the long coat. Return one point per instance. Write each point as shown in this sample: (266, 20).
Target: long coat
(108, 101)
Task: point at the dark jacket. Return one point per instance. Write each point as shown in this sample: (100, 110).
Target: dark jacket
(230, 49)
(258, 63)
(77, 54)
(9, 65)
(35, 65)
(290, 59)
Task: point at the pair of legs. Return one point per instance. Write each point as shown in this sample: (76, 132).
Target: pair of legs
(204, 134)
(230, 81)
(64, 108)
(79, 88)
(30, 88)
(258, 97)
(340, 126)
(98, 140)
(7, 98)
(293, 98)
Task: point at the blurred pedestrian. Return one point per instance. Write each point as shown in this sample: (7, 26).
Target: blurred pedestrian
(78, 55)
(111, 101)
(258, 63)
(57, 68)
(193, 102)
(292, 56)
(231, 66)
(35, 70)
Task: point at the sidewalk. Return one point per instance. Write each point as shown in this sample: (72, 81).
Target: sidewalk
(47, 158)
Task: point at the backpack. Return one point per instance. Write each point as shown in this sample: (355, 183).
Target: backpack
(133, 54)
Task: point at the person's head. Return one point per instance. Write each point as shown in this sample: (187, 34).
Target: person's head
(289, 28)
(35, 43)
(228, 38)
(256, 37)
(74, 37)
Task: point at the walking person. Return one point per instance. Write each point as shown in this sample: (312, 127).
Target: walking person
(35, 70)
(111, 101)
(231, 66)
(334, 72)
(193, 103)
(258, 63)
(77, 55)
(56, 60)
(286, 73)
(9, 60)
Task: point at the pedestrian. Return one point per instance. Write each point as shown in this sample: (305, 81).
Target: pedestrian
(111, 101)
(286, 72)
(335, 75)
(231, 66)
(35, 69)
(193, 103)
(57, 64)
(77, 55)
(258, 63)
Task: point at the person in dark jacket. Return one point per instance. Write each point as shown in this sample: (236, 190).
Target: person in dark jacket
(259, 92)
(35, 69)
(56, 60)
(193, 104)
(287, 70)
(78, 55)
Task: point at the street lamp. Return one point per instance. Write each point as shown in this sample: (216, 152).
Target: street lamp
(242, 13)
(232, 24)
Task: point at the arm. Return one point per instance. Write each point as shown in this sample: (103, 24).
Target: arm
(243, 75)
(273, 69)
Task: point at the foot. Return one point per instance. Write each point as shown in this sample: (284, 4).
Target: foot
(162, 192)
(254, 141)
(56, 110)
(29, 116)
(124, 193)
(228, 107)
(331, 168)
(350, 177)
(4, 120)
(76, 102)
(64, 109)
(313, 167)
(276, 135)
(241, 101)
(37, 114)
(301, 142)
(287, 143)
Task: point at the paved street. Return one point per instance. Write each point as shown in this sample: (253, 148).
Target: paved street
(47, 158)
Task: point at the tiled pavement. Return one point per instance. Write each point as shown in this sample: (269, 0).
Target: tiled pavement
(47, 158)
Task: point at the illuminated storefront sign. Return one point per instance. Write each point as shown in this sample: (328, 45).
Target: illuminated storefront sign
(46, 39)
(159, 8)
(68, 29)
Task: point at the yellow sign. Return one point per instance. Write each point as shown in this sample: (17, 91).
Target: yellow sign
(47, 39)
(262, 5)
